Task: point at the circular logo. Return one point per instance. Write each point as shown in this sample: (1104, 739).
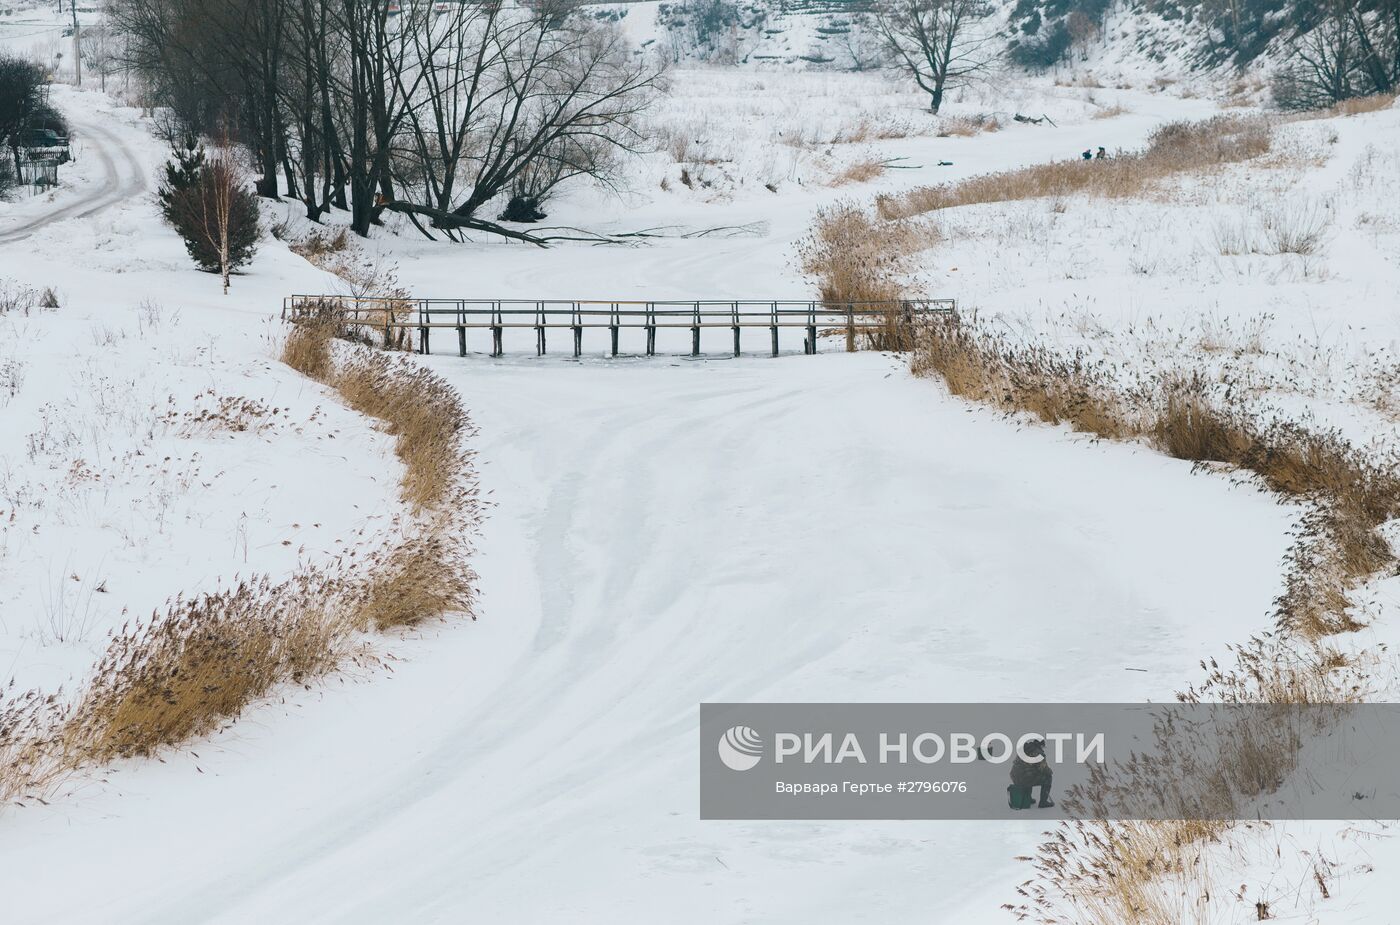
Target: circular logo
(740, 748)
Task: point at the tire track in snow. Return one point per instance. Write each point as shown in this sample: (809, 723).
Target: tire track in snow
(115, 189)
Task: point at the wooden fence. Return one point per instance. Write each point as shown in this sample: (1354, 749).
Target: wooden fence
(396, 320)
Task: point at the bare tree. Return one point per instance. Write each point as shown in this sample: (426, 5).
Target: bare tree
(1083, 29)
(1350, 49)
(941, 44)
(422, 107)
(1322, 64)
(96, 48)
(516, 100)
(1377, 30)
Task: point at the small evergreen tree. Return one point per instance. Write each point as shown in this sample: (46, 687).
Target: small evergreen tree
(181, 174)
(209, 204)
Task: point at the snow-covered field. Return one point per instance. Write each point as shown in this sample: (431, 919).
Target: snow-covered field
(661, 532)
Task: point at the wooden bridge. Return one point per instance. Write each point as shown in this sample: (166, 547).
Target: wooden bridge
(396, 319)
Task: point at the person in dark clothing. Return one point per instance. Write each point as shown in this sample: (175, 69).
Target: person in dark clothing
(1028, 774)
(1102, 155)
(1087, 155)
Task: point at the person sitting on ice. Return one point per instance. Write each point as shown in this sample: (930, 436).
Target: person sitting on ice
(1087, 155)
(1101, 155)
(1026, 775)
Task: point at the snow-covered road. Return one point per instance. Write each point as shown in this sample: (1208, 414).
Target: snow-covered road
(122, 178)
(665, 533)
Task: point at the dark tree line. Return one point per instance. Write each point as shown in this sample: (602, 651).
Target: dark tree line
(429, 108)
(1345, 49)
(24, 106)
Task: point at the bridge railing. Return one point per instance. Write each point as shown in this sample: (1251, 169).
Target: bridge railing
(398, 320)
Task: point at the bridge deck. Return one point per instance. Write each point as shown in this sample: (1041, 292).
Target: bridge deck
(397, 317)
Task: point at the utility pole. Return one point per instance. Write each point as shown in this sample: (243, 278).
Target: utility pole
(77, 48)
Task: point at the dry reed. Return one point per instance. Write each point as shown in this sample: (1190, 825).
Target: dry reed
(187, 671)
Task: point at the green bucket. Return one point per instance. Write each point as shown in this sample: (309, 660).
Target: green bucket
(1020, 797)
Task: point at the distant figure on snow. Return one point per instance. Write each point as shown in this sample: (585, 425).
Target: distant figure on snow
(1102, 155)
(1087, 155)
(1026, 775)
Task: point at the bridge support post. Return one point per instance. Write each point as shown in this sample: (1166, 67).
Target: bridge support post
(423, 340)
(461, 341)
(540, 346)
(774, 331)
(736, 340)
(578, 341)
(612, 328)
(811, 339)
(695, 341)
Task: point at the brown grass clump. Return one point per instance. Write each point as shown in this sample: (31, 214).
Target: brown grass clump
(1189, 426)
(1057, 390)
(423, 577)
(308, 349)
(1362, 104)
(316, 245)
(1175, 148)
(862, 171)
(186, 672)
(857, 258)
(426, 422)
(423, 414)
(967, 126)
(31, 757)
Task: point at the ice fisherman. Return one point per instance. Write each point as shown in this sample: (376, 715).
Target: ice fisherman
(1026, 775)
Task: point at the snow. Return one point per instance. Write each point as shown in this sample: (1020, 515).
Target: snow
(117, 491)
(661, 532)
(665, 533)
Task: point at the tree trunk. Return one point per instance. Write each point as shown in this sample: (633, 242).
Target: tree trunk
(937, 96)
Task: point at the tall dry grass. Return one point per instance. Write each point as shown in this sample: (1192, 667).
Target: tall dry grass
(186, 672)
(1173, 149)
(855, 257)
(861, 171)
(1352, 494)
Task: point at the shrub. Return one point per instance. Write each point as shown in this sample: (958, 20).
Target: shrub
(857, 258)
